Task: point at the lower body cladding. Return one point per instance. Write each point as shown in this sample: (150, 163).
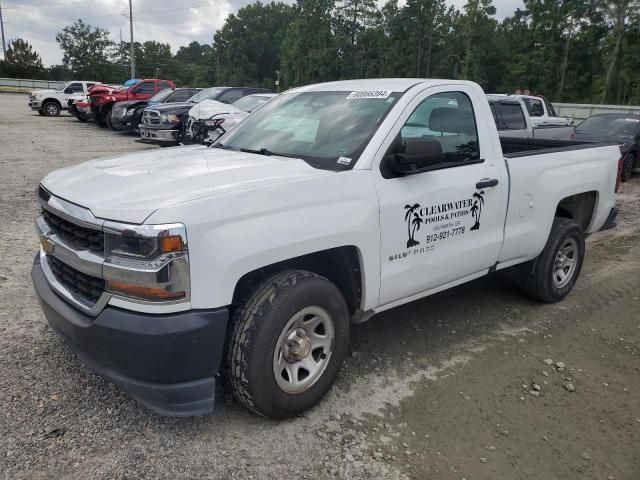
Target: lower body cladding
(166, 137)
(168, 362)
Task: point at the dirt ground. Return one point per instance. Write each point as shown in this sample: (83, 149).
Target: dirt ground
(476, 383)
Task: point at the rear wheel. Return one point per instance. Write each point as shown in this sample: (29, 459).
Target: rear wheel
(552, 275)
(288, 340)
(627, 167)
(51, 109)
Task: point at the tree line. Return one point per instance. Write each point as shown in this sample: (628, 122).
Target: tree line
(569, 50)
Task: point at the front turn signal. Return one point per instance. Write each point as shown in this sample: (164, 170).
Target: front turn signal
(146, 293)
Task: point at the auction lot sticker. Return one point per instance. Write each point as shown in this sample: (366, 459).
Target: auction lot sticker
(369, 94)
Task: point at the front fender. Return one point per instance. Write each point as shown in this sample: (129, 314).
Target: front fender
(235, 233)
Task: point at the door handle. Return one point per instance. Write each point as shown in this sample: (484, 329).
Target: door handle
(486, 183)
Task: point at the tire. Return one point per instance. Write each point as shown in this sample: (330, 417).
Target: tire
(266, 337)
(51, 108)
(550, 277)
(627, 167)
(107, 120)
(40, 112)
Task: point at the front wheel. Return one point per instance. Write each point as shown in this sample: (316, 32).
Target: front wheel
(551, 276)
(287, 344)
(51, 109)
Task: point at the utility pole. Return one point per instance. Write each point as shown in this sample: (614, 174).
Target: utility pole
(4, 46)
(132, 49)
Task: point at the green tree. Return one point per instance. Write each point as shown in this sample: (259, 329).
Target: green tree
(86, 50)
(21, 60)
(247, 48)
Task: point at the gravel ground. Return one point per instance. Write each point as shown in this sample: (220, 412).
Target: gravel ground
(475, 383)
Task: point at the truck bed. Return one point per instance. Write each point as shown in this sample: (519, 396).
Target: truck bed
(519, 147)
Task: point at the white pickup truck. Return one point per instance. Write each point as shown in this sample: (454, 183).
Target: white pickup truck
(513, 121)
(52, 102)
(331, 203)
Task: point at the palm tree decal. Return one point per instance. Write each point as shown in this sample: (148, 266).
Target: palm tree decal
(476, 208)
(414, 222)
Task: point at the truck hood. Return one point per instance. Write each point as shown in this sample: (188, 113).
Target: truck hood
(130, 188)
(44, 91)
(209, 108)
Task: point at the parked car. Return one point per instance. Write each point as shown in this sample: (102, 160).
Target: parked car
(52, 102)
(331, 203)
(542, 111)
(621, 128)
(210, 119)
(128, 115)
(80, 105)
(513, 121)
(164, 124)
(103, 99)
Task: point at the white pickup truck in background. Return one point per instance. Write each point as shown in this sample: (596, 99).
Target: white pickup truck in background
(513, 121)
(541, 111)
(329, 204)
(52, 102)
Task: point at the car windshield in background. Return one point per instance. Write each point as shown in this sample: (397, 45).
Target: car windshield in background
(250, 103)
(328, 130)
(610, 124)
(206, 94)
(161, 95)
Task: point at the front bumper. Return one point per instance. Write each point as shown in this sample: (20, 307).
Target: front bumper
(167, 362)
(35, 104)
(123, 123)
(158, 135)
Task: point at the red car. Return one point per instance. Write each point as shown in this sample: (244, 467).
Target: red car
(103, 97)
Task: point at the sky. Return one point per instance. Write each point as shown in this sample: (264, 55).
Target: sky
(38, 21)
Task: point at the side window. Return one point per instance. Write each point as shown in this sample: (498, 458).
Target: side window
(89, 85)
(230, 96)
(181, 96)
(76, 87)
(535, 107)
(509, 116)
(147, 87)
(163, 85)
(446, 121)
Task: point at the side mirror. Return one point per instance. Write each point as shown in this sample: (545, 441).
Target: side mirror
(416, 155)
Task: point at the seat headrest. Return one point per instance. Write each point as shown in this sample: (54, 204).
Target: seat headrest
(451, 120)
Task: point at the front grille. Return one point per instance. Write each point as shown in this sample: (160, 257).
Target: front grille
(81, 238)
(151, 117)
(86, 286)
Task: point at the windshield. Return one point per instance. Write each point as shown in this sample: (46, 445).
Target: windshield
(328, 130)
(610, 124)
(207, 94)
(250, 102)
(161, 95)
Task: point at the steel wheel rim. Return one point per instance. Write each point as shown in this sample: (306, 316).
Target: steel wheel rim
(565, 263)
(303, 350)
(51, 109)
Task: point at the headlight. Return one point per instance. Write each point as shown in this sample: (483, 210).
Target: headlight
(131, 111)
(148, 263)
(144, 242)
(37, 96)
(214, 122)
(170, 118)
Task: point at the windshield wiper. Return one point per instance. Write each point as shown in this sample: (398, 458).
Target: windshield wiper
(261, 151)
(220, 145)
